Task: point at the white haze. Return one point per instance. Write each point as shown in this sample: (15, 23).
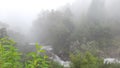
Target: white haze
(20, 14)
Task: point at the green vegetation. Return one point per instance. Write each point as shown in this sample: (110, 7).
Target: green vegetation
(68, 32)
(66, 29)
(87, 60)
(11, 58)
(55, 65)
(112, 65)
(35, 60)
(62, 30)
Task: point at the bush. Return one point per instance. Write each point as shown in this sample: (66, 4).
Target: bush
(54, 64)
(85, 61)
(36, 60)
(11, 58)
(112, 65)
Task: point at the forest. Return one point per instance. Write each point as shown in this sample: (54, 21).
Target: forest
(80, 35)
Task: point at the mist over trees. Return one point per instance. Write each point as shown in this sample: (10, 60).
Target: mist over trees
(82, 34)
(94, 30)
(3, 30)
(85, 25)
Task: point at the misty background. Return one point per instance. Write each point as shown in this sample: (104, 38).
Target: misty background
(19, 12)
(16, 12)
(69, 26)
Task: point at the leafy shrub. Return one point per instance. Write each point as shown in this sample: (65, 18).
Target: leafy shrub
(112, 65)
(9, 56)
(54, 64)
(85, 61)
(36, 60)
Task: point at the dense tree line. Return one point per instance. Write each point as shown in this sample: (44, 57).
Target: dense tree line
(91, 31)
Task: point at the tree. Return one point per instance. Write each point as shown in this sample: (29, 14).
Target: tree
(96, 12)
(54, 28)
(3, 30)
(86, 60)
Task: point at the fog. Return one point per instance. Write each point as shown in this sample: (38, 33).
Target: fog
(20, 14)
(67, 26)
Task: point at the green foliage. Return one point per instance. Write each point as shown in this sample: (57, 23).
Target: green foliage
(3, 31)
(55, 65)
(64, 29)
(36, 60)
(9, 56)
(58, 31)
(111, 65)
(85, 61)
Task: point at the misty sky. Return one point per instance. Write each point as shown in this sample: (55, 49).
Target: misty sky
(19, 12)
